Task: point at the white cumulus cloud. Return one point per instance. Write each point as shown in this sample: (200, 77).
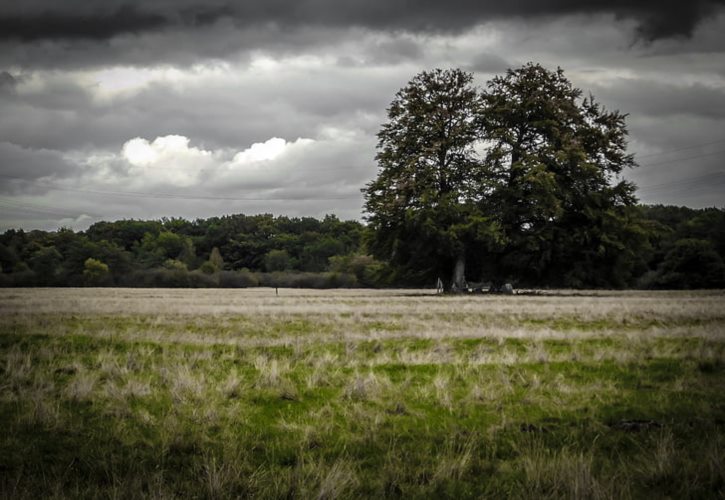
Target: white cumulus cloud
(172, 161)
(168, 159)
(269, 150)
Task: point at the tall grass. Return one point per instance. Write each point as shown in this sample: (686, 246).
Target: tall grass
(349, 394)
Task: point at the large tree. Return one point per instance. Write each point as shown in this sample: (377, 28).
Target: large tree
(555, 158)
(424, 206)
(543, 202)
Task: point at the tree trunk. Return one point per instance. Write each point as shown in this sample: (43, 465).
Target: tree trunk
(458, 283)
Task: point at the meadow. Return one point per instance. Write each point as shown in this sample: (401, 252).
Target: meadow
(132, 393)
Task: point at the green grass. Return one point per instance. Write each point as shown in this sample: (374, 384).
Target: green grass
(326, 403)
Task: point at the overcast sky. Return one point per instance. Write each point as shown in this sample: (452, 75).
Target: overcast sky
(190, 108)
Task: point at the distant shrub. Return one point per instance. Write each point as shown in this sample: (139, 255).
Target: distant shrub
(208, 268)
(157, 278)
(215, 259)
(21, 278)
(175, 265)
(307, 280)
(237, 279)
(365, 268)
(96, 273)
(180, 278)
(198, 279)
(342, 280)
(691, 263)
(277, 260)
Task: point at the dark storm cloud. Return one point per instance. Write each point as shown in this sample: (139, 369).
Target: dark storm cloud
(67, 25)
(83, 20)
(101, 24)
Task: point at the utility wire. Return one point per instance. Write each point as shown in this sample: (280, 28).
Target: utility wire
(716, 178)
(179, 196)
(41, 209)
(681, 149)
(683, 159)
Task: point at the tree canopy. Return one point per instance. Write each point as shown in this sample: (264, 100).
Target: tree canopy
(517, 181)
(425, 205)
(555, 160)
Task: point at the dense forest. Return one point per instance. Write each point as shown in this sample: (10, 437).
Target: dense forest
(684, 248)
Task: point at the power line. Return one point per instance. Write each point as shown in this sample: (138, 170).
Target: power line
(179, 196)
(683, 159)
(704, 183)
(681, 149)
(690, 180)
(41, 209)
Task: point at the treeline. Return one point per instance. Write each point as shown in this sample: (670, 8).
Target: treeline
(229, 251)
(685, 248)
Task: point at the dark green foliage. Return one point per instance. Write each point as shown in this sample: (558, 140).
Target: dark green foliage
(8, 258)
(45, 263)
(691, 263)
(658, 247)
(208, 268)
(424, 207)
(367, 271)
(688, 247)
(566, 217)
(521, 182)
(96, 273)
(216, 259)
(124, 233)
(229, 251)
(237, 279)
(276, 260)
(306, 280)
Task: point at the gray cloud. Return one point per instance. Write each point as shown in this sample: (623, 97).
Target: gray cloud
(486, 62)
(395, 50)
(7, 81)
(22, 166)
(175, 45)
(663, 99)
(309, 178)
(53, 25)
(82, 20)
(68, 105)
(236, 108)
(226, 34)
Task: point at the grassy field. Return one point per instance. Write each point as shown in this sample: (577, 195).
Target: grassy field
(345, 394)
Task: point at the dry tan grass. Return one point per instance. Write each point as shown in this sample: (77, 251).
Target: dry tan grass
(313, 381)
(299, 318)
(358, 303)
(339, 478)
